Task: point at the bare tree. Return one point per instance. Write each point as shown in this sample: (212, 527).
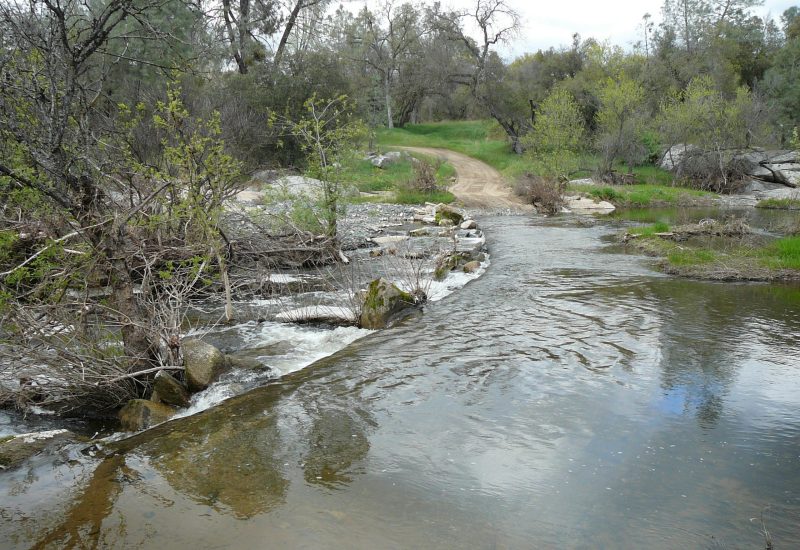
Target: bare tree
(496, 22)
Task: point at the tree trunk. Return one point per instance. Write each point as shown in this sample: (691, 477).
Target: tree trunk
(226, 283)
(287, 31)
(388, 93)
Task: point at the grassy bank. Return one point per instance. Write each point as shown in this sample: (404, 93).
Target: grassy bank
(709, 255)
(643, 195)
(779, 204)
(485, 141)
(395, 182)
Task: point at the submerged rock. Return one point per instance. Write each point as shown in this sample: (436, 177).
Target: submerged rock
(383, 302)
(167, 390)
(471, 267)
(140, 414)
(16, 449)
(203, 363)
(318, 314)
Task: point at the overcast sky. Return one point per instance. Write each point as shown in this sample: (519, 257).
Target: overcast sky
(552, 23)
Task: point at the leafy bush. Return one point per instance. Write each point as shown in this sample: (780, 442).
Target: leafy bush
(545, 194)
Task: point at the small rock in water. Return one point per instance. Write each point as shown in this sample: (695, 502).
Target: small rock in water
(469, 224)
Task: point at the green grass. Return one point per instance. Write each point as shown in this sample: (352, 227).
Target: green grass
(782, 254)
(643, 195)
(480, 139)
(779, 204)
(650, 230)
(371, 179)
(485, 141)
(410, 196)
(396, 177)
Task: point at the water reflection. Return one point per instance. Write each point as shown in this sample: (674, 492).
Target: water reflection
(709, 333)
(336, 442)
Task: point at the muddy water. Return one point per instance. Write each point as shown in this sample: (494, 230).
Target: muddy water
(571, 397)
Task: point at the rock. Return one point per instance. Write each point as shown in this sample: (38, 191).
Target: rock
(444, 212)
(445, 222)
(203, 363)
(430, 220)
(782, 157)
(244, 362)
(674, 156)
(583, 181)
(472, 267)
(167, 390)
(389, 239)
(583, 204)
(383, 302)
(382, 161)
(469, 224)
(470, 245)
(16, 449)
(140, 414)
(756, 186)
(788, 174)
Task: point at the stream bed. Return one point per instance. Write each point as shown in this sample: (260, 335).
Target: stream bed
(570, 397)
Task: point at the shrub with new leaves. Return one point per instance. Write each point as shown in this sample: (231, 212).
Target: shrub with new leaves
(556, 140)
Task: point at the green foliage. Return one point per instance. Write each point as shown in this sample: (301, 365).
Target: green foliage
(328, 135)
(621, 122)
(557, 136)
(650, 230)
(411, 196)
(779, 204)
(606, 194)
(783, 253)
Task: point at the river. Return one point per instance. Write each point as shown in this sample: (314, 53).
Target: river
(571, 397)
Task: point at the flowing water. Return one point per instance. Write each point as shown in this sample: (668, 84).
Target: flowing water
(569, 398)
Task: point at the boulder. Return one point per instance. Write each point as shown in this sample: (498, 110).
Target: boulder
(469, 224)
(583, 204)
(758, 186)
(421, 232)
(383, 302)
(244, 362)
(203, 363)
(782, 157)
(583, 181)
(787, 174)
(383, 161)
(674, 156)
(167, 390)
(472, 267)
(140, 414)
(16, 449)
(444, 212)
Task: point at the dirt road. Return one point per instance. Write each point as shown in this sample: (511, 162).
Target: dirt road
(478, 185)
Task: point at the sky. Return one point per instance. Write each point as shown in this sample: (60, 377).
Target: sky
(552, 23)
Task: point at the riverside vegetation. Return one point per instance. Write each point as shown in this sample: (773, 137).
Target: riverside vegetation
(129, 129)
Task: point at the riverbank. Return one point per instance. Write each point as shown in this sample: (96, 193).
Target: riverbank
(728, 250)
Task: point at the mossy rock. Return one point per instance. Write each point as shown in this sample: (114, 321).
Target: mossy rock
(383, 302)
(203, 364)
(446, 213)
(140, 414)
(167, 390)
